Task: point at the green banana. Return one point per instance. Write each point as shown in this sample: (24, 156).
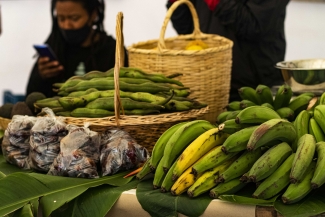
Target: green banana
(159, 174)
(322, 99)
(238, 140)
(318, 178)
(267, 105)
(230, 126)
(206, 181)
(48, 102)
(296, 192)
(174, 105)
(303, 158)
(286, 113)
(301, 125)
(272, 130)
(140, 112)
(168, 180)
(159, 147)
(245, 178)
(265, 94)
(232, 115)
(233, 106)
(319, 115)
(246, 103)
(239, 167)
(144, 171)
(70, 103)
(222, 116)
(69, 83)
(211, 159)
(182, 138)
(229, 188)
(311, 94)
(269, 161)
(82, 92)
(256, 115)
(282, 97)
(248, 93)
(276, 182)
(315, 130)
(299, 103)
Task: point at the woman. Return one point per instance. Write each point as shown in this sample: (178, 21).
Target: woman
(78, 39)
(255, 26)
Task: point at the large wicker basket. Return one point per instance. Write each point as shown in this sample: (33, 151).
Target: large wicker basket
(145, 129)
(207, 72)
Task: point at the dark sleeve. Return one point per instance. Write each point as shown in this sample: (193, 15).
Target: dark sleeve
(37, 84)
(181, 19)
(250, 18)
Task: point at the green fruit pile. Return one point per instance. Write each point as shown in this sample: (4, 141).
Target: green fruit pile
(92, 95)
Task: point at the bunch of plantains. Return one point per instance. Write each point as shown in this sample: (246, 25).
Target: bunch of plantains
(257, 146)
(92, 95)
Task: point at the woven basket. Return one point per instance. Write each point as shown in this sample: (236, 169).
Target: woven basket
(4, 123)
(145, 129)
(207, 72)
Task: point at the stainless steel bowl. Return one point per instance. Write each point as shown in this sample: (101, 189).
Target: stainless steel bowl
(304, 75)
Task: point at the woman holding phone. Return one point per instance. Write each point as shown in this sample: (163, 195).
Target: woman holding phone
(77, 39)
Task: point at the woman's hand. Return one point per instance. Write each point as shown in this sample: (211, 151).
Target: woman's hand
(47, 68)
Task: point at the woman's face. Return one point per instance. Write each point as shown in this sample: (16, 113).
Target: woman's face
(71, 15)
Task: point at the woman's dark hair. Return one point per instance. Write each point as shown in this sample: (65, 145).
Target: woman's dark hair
(56, 40)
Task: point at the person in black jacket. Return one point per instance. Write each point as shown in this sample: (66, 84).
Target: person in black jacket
(255, 26)
(79, 42)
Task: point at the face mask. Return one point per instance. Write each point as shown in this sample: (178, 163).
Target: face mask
(76, 36)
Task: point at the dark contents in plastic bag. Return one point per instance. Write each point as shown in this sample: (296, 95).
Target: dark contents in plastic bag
(15, 144)
(120, 152)
(79, 154)
(45, 139)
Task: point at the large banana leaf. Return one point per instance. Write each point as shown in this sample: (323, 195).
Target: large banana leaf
(244, 196)
(164, 204)
(312, 204)
(94, 202)
(17, 189)
(25, 211)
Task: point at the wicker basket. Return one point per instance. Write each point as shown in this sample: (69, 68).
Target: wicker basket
(207, 72)
(145, 129)
(4, 123)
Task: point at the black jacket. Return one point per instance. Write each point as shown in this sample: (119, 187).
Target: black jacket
(257, 29)
(102, 59)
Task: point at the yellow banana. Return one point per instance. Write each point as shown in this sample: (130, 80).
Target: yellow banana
(200, 146)
(183, 182)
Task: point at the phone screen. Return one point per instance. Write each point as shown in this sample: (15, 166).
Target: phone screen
(45, 50)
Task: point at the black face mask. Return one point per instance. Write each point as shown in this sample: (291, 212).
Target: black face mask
(76, 36)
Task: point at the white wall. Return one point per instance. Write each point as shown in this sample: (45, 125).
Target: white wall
(26, 22)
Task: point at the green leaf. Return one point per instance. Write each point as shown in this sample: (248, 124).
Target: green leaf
(20, 188)
(95, 201)
(164, 204)
(244, 196)
(312, 204)
(34, 204)
(25, 211)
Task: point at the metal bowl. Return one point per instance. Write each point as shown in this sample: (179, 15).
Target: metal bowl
(304, 75)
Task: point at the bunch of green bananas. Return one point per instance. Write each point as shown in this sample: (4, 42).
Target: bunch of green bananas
(92, 95)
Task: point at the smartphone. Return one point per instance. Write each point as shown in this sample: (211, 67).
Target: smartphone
(45, 50)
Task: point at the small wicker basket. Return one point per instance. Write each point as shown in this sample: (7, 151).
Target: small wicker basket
(145, 129)
(4, 123)
(207, 72)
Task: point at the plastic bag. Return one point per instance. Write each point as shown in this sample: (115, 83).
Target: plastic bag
(45, 138)
(15, 144)
(120, 152)
(79, 154)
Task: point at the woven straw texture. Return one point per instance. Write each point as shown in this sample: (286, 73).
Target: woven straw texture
(145, 129)
(207, 72)
(4, 123)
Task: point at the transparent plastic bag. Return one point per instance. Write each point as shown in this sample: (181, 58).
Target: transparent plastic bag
(45, 138)
(15, 144)
(79, 154)
(120, 152)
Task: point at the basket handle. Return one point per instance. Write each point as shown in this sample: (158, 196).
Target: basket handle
(119, 62)
(196, 32)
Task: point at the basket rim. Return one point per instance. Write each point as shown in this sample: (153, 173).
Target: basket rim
(229, 44)
(131, 120)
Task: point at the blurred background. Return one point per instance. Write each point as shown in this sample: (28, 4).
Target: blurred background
(28, 22)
